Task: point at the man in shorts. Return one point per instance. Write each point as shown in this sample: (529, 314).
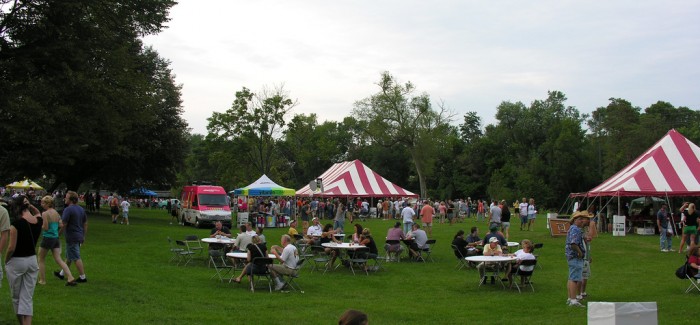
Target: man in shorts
(75, 227)
(114, 207)
(125, 211)
(426, 216)
(575, 253)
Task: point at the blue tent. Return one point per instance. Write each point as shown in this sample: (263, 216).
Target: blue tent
(142, 192)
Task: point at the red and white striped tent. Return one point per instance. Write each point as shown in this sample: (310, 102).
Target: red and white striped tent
(669, 168)
(353, 178)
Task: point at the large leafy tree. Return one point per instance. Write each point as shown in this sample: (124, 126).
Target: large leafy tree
(310, 148)
(255, 121)
(397, 116)
(616, 132)
(536, 151)
(82, 98)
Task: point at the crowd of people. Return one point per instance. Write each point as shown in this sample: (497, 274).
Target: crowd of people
(21, 226)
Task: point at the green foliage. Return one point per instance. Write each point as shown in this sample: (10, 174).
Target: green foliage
(83, 99)
(533, 151)
(255, 121)
(396, 116)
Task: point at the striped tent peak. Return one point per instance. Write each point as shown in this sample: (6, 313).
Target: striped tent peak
(354, 178)
(670, 167)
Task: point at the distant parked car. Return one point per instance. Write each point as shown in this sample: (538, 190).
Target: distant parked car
(173, 202)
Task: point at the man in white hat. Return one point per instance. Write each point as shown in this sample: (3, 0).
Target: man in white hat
(492, 248)
(313, 233)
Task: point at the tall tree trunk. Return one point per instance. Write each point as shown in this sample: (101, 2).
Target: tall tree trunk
(421, 177)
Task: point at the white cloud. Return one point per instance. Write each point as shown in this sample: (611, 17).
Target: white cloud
(472, 55)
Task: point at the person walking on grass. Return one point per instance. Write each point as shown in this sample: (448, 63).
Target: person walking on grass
(689, 219)
(125, 211)
(426, 215)
(114, 207)
(523, 213)
(531, 214)
(407, 214)
(50, 243)
(20, 261)
(76, 224)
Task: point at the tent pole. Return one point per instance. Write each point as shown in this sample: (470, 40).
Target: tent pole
(670, 212)
(603, 219)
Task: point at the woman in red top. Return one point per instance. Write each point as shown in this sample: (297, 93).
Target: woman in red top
(694, 260)
(480, 211)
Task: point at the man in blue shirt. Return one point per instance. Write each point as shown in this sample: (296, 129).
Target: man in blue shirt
(662, 218)
(574, 256)
(75, 223)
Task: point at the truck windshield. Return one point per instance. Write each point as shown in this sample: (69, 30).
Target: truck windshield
(212, 199)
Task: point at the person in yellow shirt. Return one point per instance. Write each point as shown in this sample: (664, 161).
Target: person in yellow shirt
(292, 229)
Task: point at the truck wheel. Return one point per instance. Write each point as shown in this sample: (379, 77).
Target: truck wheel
(182, 220)
(197, 223)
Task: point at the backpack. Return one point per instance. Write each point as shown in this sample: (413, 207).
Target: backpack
(682, 271)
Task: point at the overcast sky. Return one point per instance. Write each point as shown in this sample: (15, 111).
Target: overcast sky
(470, 54)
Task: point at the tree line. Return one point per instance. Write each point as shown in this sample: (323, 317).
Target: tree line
(545, 149)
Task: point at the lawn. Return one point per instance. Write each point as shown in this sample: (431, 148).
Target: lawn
(132, 282)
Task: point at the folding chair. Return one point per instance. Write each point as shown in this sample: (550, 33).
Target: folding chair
(303, 249)
(193, 244)
(408, 243)
(694, 281)
(216, 258)
(289, 279)
(377, 262)
(461, 261)
(397, 254)
(185, 254)
(525, 271)
(174, 250)
(428, 250)
(359, 258)
(260, 270)
(535, 247)
(320, 258)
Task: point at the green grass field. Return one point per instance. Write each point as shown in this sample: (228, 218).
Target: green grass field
(132, 282)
